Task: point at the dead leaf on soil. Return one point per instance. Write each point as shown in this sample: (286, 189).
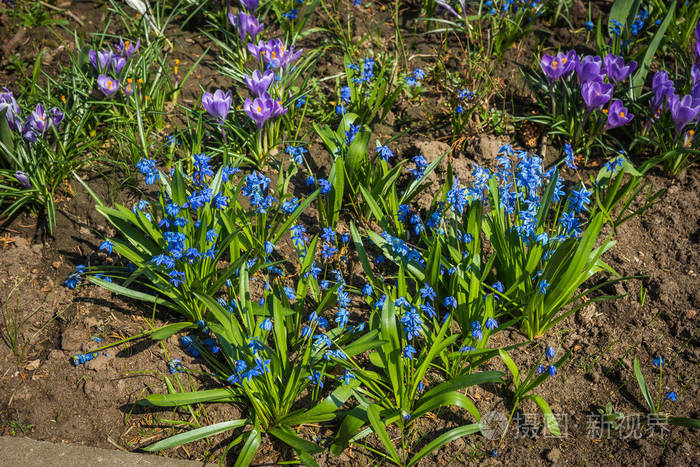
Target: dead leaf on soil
(33, 365)
(6, 240)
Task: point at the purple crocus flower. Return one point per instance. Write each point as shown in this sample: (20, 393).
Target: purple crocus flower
(276, 54)
(250, 5)
(558, 66)
(126, 48)
(662, 87)
(697, 43)
(258, 83)
(618, 115)
(683, 110)
(447, 7)
(246, 24)
(100, 60)
(695, 74)
(260, 109)
(56, 115)
(40, 121)
(8, 103)
(118, 63)
(256, 50)
(107, 85)
(596, 94)
(217, 104)
(23, 178)
(589, 69)
(616, 69)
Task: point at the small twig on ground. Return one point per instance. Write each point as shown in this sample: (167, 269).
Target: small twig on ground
(65, 12)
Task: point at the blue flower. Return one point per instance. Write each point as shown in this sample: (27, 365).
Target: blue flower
(427, 292)
(658, 362)
(345, 94)
(269, 247)
(589, 25)
(328, 234)
(671, 396)
(175, 366)
(289, 292)
(406, 416)
(579, 200)
(84, 358)
(550, 352)
(266, 324)
(542, 286)
(552, 370)
(72, 281)
(540, 369)
(316, 378)
(412, 323)
(342, 317)
(347, 377)
(176, 278)
(384, 153)
(612, 165)
(367, 289)
(570, 158)
(351, 132)
(255, 345)
(189, 346)
(491, 324)
(450, 302)
(327, 251)
(107, 245)
(409, 351)
(326, 186)
(428, 309)
(457, 196)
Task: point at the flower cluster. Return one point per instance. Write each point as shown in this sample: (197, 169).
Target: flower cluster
(38, 122)
(684, 110)
(109, 66)
(597, 78)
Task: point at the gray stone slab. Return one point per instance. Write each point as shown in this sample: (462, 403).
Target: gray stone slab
(20, 452)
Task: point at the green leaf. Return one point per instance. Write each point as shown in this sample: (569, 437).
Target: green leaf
(445, 439)
(351, 424)
(641, 74)
(166, 331)
(357, 152)
(380, 430)
(511, 367)
(288, 436)
(5, 132)
(194, 435)
(325, 410)
(118, 289)
(453, 398)
(686, 422)
(362, 254)
(549, 418)
(643, 386)
(245, 457)
(187, 398)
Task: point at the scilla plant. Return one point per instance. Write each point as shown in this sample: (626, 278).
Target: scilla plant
(543, 249)
(266, 358)
(176, 242)
(392, 392)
